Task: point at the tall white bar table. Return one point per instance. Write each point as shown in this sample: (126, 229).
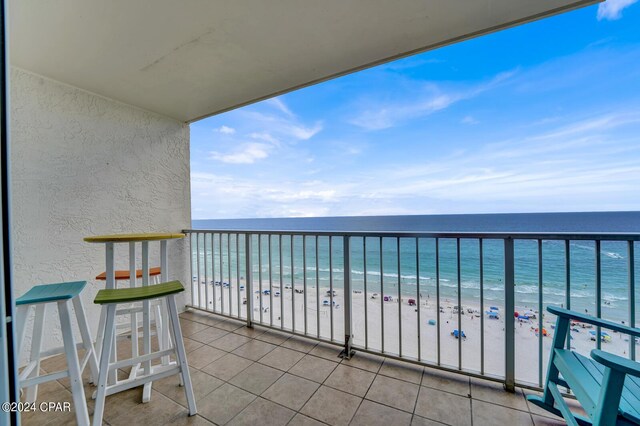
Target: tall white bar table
(163, 336)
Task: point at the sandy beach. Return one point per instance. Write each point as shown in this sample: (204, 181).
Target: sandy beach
(381, 330)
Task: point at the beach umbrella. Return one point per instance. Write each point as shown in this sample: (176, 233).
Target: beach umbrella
(457, 333)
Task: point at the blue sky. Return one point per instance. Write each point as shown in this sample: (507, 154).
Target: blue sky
(540, 118)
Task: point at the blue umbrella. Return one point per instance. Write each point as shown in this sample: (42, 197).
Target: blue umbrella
(456, 334)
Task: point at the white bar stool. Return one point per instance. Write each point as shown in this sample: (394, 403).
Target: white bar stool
(64, 294)
(110, 299)
(133, 311)
(164, 339)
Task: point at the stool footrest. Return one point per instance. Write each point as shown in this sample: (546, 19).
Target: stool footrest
(135, 309)
(140, 359)
(43, 379)
(157, 372)
(26, 371)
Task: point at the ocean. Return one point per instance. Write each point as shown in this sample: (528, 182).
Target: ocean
(405, 280)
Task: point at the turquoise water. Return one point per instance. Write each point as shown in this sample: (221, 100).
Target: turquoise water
(408, 281)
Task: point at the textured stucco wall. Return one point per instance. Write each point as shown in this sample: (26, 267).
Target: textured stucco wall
(85, 165)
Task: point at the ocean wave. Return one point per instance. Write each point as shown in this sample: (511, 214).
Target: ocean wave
(390, 275)
(533, 289)
(613, 255)
(610, 254)
(582, 246)
(313, 268)
(608, 297)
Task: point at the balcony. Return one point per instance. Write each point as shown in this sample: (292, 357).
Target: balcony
(261, 376)
(100, 144)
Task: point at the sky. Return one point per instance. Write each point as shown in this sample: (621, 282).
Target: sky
(544, 117)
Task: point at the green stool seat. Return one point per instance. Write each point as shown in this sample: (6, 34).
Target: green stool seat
(51, 293)
(127, 295)
(145, 372)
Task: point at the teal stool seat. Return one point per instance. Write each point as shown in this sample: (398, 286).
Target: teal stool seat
(64, 296)
(51, 293)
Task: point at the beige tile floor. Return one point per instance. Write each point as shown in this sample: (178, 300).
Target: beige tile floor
(256, 376)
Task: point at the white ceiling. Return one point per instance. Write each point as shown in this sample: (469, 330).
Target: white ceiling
(193, 58)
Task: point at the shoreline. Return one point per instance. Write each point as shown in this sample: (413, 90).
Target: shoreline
(383, 332)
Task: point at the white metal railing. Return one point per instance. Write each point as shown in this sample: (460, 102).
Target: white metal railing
(356, 289)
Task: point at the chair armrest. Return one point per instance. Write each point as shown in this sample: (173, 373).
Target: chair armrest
(616, 362)
(565, 313)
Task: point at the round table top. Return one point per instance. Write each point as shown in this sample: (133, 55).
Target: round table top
(129, 238)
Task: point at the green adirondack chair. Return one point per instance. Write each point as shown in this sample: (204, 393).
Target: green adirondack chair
(606, 385)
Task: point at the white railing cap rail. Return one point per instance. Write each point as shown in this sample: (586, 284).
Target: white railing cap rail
(594, 236)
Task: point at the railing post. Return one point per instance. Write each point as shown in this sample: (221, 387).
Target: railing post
(347, 352)
(248, 279)
(509, 326)
(632, 297)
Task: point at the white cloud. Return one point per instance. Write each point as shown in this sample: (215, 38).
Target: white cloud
(612, 9)
(411, 62)
(281, 127)
(386, 117)
(226, 130)
(575, 165)
(430, 99)
(281, 106)
(304, 133)
(264, 136)
(566, 161)
(581, 165)
(247, 153)
(288, 196)
(220, 196)
(258, 134)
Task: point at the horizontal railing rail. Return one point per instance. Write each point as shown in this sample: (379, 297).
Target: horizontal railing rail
(469, 302)
(595, 236)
